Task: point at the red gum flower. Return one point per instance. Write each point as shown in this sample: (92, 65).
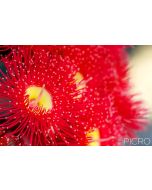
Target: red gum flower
(25, 116)
(119, 115)
(104, 103)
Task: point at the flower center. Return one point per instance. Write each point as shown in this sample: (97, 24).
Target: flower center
(79, 81)
(95, 138)
(39, 99)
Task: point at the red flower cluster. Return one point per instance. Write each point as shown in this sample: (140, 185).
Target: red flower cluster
(60, 95)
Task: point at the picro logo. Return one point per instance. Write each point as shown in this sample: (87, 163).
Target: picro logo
(137, 141)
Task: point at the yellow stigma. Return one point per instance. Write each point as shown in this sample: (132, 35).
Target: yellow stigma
(39, 97)
(78, 77)
(80, 83)
(95, 137)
